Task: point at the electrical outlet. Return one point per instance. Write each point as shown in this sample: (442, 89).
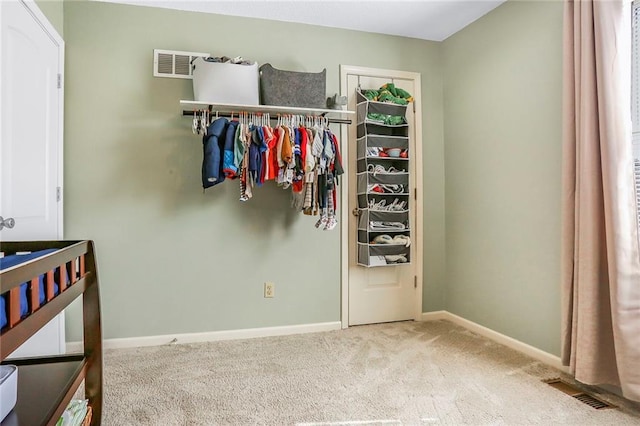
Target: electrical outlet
(269, 289)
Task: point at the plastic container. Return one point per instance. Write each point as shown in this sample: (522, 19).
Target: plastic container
(225, 83)
(8, 389)
(394, 152)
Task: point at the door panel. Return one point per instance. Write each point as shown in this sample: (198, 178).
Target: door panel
(378, 294)
(30, 122)
(29, 130)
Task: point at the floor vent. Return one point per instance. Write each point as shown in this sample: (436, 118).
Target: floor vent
(578, 394)
(592, 401)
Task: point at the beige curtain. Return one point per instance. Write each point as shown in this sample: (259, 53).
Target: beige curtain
(600, 253)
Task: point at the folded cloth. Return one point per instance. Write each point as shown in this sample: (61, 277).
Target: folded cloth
(74, 414)
(402, 240)
(374, 225)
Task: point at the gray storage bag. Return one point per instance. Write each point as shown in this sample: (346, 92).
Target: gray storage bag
(293, 88)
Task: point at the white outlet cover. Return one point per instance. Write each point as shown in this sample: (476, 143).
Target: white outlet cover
(269, 289)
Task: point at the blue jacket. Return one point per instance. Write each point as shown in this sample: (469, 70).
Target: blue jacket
(228, 165)
(213, 148)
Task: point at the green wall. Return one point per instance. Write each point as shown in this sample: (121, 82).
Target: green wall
(54, 11)
(175, 260)
(502, 110)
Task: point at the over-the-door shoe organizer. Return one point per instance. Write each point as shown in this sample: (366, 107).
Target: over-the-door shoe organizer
(384, 232)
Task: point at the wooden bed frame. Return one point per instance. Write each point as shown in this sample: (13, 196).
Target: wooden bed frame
(47, 384)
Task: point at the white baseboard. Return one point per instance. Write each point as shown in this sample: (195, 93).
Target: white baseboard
(211, 336)
(249, 333)
(435, 315)
(533, 352)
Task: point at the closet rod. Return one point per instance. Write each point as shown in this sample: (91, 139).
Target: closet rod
(227, 114)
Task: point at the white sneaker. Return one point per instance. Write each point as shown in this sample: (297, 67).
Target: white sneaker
(322, 222)
(383, 239)
(331, 224)
(396, 258)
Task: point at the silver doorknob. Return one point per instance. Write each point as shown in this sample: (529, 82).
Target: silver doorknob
(7, 223)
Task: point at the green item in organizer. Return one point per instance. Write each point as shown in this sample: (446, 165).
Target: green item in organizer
(399, 94)
(393, 120)
(372, 95)
(373, 116)
(387, 96)
(390, 87)
(404, 94)
(389, 93)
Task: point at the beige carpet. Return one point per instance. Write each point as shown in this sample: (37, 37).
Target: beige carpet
(407, 373)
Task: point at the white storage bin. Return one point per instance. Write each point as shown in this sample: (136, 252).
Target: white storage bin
(225, 83)
(8, 389)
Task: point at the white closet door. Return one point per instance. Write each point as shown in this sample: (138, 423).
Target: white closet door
(30, 126)
(390, 293)
(31, 142)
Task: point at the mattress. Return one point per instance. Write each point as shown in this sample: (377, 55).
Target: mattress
(17, 259)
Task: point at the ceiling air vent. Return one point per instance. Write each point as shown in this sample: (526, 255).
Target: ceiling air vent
(173, 63)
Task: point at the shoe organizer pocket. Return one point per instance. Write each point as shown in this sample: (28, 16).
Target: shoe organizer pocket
(381, 255)
(379, 142)
(371, 111)
(368, 216)
(397, 163)
(383, 203)
(368, 128)
(386, 108)
(382, 178)
(364, 199)
(368, 237)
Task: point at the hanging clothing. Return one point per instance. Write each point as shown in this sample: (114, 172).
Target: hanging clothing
(305, 159)
(229, 167)
(212, 173)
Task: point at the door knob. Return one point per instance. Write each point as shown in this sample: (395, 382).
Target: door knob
(7, 223)
(356, 212)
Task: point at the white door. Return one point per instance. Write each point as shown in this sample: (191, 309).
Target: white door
(31, 55)
(388, 293)
(30, 126)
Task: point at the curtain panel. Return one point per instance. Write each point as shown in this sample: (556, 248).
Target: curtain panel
(600, 249)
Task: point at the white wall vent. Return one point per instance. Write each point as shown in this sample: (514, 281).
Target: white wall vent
(173, 63)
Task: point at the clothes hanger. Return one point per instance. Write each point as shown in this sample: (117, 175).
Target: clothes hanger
(194, 122)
